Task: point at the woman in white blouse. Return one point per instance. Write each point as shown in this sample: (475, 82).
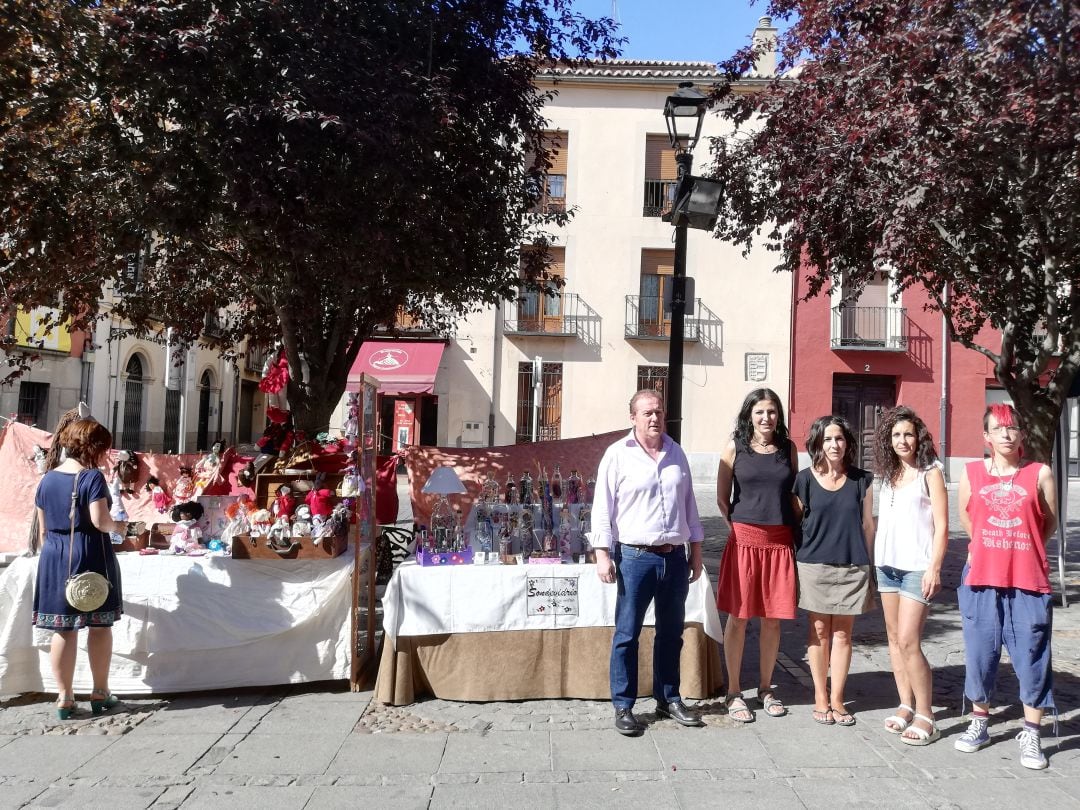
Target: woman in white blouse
(912, 535)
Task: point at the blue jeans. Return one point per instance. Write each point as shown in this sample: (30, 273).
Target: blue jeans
(643, 577)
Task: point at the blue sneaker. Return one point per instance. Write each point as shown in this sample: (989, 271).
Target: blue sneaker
(977, 736)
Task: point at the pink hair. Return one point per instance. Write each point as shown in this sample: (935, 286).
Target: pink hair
(1004, 415)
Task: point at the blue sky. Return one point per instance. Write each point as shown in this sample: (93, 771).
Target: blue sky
(680, 30)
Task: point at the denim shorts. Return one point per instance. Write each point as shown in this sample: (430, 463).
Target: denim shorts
(905, 583)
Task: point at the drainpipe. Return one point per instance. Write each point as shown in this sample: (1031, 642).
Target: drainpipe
(496, 374)
(943, 435)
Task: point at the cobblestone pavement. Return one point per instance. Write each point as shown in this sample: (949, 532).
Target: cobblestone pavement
(320, 746)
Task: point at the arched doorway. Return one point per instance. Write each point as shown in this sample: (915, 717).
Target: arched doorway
(206, 388)
(131, 438)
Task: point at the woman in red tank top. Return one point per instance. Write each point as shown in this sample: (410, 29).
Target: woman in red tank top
(1008, 507)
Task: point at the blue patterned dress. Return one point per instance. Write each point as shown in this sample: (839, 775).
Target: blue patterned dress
(91, 551)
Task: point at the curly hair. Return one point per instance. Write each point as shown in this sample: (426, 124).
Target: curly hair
(886, 463)
(744, 424)
(815, 441)
(86, 441)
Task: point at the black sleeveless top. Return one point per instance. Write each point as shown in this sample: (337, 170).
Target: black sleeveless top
(762, 487)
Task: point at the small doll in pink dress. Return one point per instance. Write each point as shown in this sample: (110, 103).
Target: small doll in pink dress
(186, 534)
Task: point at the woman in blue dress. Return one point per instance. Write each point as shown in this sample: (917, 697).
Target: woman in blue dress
(87, 548)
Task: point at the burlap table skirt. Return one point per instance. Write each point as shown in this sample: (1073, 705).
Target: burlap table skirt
(531, 664)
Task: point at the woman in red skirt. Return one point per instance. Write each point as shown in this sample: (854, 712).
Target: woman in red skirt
(757, 571)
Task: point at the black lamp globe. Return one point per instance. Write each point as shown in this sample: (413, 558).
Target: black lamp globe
(685, 108)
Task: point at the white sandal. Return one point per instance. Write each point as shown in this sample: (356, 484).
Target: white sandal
(898, 724)
(922, 736)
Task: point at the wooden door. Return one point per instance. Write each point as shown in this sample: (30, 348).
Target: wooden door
(862, 399)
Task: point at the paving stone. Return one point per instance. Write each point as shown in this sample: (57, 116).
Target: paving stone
(223, 797)
(547, 777)
(114, 798)
(734, 794)
(710, 748)
(398, 753)
(500, 778)
(497, 751)
(49, 758)
(18, 795)
(282, 754)
(150, 755)
(603, 751)
(384, 798)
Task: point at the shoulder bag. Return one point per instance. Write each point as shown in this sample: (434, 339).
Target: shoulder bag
(87, 591)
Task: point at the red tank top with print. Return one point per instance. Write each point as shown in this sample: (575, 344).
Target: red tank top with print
(1007, 548)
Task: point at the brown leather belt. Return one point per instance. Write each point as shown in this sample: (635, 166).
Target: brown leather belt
(667, 548)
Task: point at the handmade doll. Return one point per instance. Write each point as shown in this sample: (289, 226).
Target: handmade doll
(127, 470)
(184, 488)
(116, 511)
(162, 500)
(236, 520)
(208, 470)
(261, 521)
(284, 504)
(321, 502)
(40, 460)
(301, 526)
(281, 530)
(275, 381)
(186, 533)
(319, 528)
(351, 485)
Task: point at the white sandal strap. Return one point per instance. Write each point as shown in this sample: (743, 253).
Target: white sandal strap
(929, 720)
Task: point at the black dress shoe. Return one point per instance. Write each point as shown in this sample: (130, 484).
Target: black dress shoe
(678, 712)
(626, 723)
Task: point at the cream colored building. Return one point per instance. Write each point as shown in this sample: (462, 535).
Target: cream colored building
(606, 334)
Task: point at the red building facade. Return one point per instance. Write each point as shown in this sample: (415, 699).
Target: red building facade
(859, 357)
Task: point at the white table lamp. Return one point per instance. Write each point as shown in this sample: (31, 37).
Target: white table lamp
(442, 482)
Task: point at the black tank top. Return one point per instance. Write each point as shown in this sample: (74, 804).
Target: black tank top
(762, 487)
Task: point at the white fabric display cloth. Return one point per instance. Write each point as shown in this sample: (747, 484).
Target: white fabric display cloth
(195, 623)
(430, 600)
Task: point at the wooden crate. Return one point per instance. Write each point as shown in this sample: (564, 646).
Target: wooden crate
(246, 547)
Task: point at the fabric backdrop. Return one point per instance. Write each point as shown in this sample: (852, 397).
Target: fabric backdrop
(474, 465)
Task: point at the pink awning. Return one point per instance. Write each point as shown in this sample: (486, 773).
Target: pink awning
(401, 366)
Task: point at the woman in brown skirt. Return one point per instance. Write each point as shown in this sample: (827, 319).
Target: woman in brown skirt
(834, 557)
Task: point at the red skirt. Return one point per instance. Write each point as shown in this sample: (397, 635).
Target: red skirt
(757, 573)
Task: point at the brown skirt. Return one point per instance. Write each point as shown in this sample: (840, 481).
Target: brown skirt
(839, 590)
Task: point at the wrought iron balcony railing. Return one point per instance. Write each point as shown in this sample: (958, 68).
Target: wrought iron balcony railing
(648, 317)
(873, 328)
(559, 314)
(659, 195)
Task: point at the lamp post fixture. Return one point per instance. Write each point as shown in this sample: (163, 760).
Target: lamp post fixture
(684, 112)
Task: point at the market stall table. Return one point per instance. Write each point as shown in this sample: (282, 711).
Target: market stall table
(196, 623)
(516, 632)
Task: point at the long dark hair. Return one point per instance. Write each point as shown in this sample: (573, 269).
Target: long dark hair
(815, 441)
(744, 424)
(886, 463)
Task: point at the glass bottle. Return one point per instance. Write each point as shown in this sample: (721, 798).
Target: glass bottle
(573, 488)
(459, 531)
(526, 489)
(556, 484)
(590, 490)
(511, 489)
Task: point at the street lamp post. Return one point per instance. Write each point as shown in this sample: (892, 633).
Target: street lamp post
(685, 108)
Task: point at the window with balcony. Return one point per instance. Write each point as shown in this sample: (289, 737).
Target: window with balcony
(653, 378)
(661, 174)
(544, 311)
(654, 293)
(553, 198)
(548, 417)
(870, 320)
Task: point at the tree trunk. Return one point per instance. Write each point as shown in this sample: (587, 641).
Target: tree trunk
(313, 405)
(1040, 413)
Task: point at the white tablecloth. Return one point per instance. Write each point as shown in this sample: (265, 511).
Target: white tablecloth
(196, 623)
(422, 601)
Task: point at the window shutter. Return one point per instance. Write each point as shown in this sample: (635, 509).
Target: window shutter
(657, 262)
(660, 158)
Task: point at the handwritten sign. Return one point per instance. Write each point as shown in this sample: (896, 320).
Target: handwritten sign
(552, 596)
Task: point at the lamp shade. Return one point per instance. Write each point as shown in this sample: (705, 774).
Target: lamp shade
(443, 481)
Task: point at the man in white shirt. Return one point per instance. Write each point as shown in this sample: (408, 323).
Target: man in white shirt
(644, 516)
